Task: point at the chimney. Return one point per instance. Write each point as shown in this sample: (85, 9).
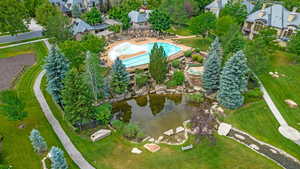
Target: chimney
(262, 11)
(292, 15)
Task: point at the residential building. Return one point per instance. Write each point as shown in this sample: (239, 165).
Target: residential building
(139, 18)
(83, 5)
(216, 6)
(276, 16)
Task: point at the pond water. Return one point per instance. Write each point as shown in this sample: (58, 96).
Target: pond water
(155, 114)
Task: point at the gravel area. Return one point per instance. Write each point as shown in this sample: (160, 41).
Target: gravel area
(11, 67)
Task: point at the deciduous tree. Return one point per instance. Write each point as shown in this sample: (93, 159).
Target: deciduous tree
(203, 24)
(44, 11)
(159, 21)
(93, 16)
(236, 10)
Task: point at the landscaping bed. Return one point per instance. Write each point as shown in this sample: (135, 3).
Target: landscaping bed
(11, 68)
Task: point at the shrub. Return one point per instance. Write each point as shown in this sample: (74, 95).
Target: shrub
(171, 84)
(178, 77)
(103, 113)
(176, 63)
(197, 57)
(38, 142)
(140, 135)
(197, 50)
(253, 95)
(115, 28)
(195, 97)
(141, 80)
(118, 124)
(130, 130)
(188, 53)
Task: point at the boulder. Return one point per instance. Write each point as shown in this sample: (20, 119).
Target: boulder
(169, 132)
(253, 146)
(102, 133)
(136, 151)
(224, 129)
(160, 87)
(151, 140)
(291, 103)
(220, 110)
(160, 138)
(187, 147)
(152, 147)
(179, 129)
(239, 136)
(147, 138)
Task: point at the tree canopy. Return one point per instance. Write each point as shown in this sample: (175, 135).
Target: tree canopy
(236, 10)
(159, 21)
(294, 44)
(120, 77)
(93, 16)
(45, 11)
(203, 24)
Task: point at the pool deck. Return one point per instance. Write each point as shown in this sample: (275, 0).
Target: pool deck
(109, 62)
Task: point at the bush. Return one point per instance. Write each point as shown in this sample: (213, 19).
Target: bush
(140, 135)
(197, 57)
(178, 77)
(141, 80)
(253, 95)
(171, 84)
(188, 53)
(195, 97)
(118, 124)
(130, 130)
(197, 50)
(115, 28)
(176, 63)
(103, 113)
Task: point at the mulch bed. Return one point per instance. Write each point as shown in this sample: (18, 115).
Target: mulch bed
(11, 67)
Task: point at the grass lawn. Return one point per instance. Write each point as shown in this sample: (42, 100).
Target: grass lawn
(284, 87)
(183, 31)
(17, 149)
(113, 152)
(198, 42)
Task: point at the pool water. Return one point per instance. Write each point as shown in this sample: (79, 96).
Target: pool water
(127, 49)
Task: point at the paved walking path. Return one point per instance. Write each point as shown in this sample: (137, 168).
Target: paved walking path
(23, 43)
(20, 37)
(63, 137)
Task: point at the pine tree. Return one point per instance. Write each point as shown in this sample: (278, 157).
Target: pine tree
(38, 142)
(120, 77)
(77, 99)
(93, 73)
(56, 67)
(212, 68)
(233, 82)
(158, 65)
(76, 11)
(57, 158)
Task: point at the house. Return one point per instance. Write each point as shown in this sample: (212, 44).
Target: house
(80, 28)
(139, 18)
(84, 5)
(216, 6)
(276, 16)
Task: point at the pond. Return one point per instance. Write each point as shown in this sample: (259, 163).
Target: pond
(155, 114)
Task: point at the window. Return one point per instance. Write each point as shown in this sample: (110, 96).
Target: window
(259, 25)
(288, 33)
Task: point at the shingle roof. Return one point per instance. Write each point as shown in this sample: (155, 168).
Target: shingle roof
(138, 17)
(219, 4)
(276, 16)
(80, 26)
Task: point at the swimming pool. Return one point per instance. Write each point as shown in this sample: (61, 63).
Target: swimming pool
(128, 49)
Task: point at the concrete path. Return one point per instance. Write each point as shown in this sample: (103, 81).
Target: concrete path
(20, 37)
(23, 43)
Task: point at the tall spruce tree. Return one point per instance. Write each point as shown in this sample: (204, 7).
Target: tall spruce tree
(120, 77)
(233, 82)
(76, 11)
(57, 158)
(38, 142)
(93, 75)
(212, 68)
(158, 65)
(56, 66)
(77, 98)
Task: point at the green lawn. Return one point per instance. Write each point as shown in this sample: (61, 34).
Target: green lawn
(198, 42)
(114, 152)
(17, 149)
(183, 31)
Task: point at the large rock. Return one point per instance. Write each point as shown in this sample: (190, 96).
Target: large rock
(179, 129)
(224, 129)
(291, 103)
(102, 133)
(169, 132)
(160, 87)
(152, 147)
(136, 151)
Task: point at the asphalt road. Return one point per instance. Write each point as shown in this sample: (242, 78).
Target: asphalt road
(20, 37)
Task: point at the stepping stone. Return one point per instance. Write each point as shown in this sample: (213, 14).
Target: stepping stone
(187, 147)
(169, 132)
(273, 151)
(239, 136)
(151, 140)
(152, 147)
(224, 129)
(179, 129)
(136, 151)
(160, 138)
(253, 146)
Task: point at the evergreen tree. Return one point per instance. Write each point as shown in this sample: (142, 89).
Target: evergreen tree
(57, 158)
(77, 99)
(233, 82)
(56, 67)
(158, 65)
(212, 68)
(76, 11)
(120, 77)
(38, 142)
(93, 75)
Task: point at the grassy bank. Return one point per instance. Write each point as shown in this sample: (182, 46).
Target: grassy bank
(114, 152)
(17, 149)
(198, 42)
